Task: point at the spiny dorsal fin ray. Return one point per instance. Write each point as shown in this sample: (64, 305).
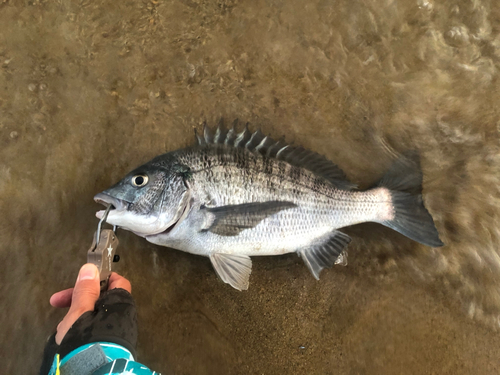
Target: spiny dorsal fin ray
(220, 133)
(207, 134)
(273, 150)
(283, 154)
(266, 146)
(326, 254)
(199, 138)
(242, 138)
(254, 140)
(230, 137)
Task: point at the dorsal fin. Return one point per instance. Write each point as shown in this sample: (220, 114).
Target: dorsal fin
(199, 138)
(266, 146)
(207, 134)
(243, 137)
(273, 150)
(230, 137)
(254, 140)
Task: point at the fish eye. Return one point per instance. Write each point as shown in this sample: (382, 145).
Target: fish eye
(139, 180)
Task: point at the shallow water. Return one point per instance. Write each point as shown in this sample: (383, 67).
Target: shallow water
(89, 90)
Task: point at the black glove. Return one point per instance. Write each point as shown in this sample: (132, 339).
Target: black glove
(114, 319)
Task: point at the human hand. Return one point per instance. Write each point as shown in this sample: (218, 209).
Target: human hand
(83, 296)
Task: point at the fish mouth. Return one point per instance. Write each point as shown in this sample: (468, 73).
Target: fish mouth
(108, 200)
(119, 208)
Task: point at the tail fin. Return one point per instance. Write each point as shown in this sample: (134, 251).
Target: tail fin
(411, 218)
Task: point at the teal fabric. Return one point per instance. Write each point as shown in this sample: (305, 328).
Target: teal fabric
(119, 361)
(121, 366)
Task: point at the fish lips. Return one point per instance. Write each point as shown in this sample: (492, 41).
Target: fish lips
(108, 200)
(119, 208)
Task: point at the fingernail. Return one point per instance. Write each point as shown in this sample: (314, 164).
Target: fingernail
(87, 272)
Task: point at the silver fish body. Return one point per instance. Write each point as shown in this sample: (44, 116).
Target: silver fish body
(239, 195)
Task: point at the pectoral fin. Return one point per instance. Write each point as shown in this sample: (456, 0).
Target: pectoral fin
(231, 220)
(326, 254)
(233, 269)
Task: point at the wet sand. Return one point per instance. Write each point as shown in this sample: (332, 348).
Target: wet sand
(89, 90)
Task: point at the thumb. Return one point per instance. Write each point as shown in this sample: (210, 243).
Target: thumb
(85, 295)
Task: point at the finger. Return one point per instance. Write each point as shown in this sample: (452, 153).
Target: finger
(117, 281)
(85, 295)
(62, 298)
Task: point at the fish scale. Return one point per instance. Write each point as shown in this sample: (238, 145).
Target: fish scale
(236, 195)
(266, 184)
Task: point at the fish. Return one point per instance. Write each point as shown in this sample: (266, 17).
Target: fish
(234, 195)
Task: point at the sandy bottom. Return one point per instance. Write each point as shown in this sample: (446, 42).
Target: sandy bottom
(91, 89)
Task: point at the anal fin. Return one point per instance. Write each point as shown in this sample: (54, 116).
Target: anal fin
(326, 254)
(233, 269)
(342, 259)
